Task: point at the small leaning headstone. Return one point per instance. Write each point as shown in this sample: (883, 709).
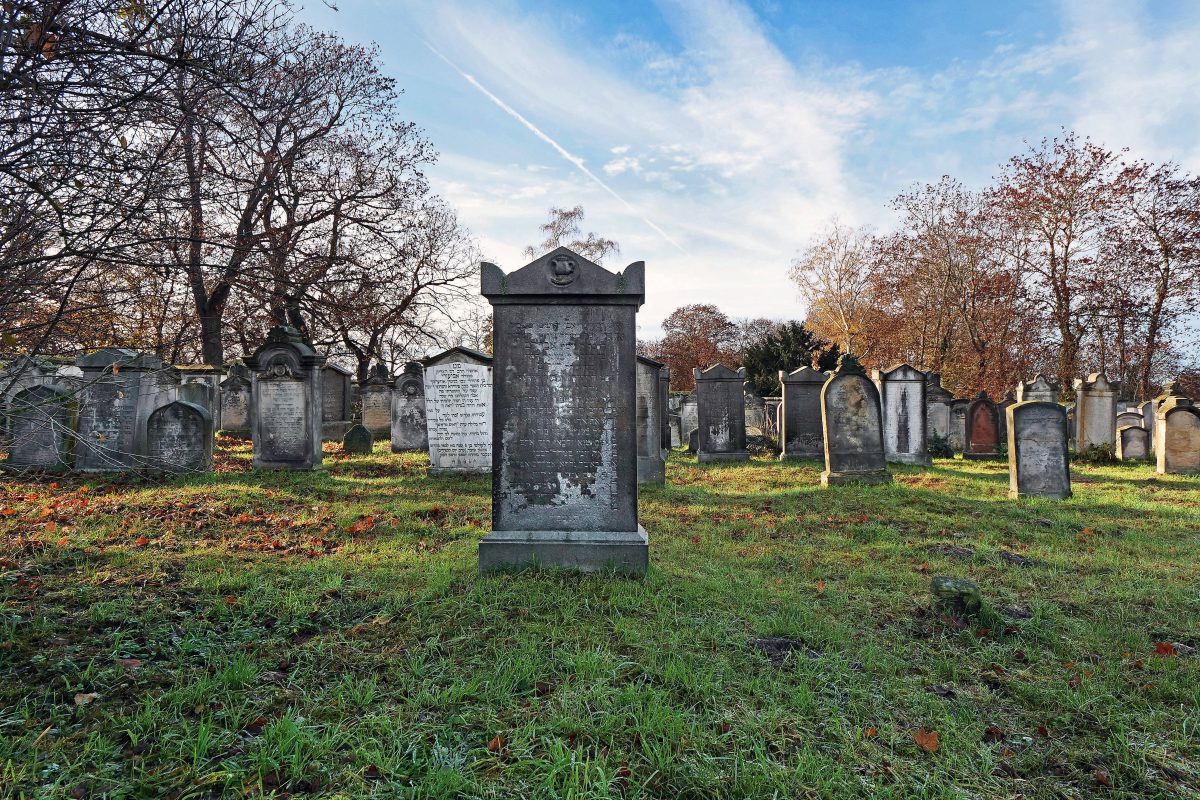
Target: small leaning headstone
(358, 440)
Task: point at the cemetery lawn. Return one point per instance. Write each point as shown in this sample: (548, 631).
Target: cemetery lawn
(326, 635)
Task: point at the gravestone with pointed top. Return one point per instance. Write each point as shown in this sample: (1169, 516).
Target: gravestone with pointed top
(286, 406)
(1038, 464)
(721, 414)
(358, 440)
(852, 427)
(902, 397)
(458, 408)
(410, 425)
(564, 485)
(800, 429)
(983, 429)
(375, 396)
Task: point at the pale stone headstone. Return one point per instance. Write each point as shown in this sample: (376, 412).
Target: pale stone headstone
(1129, 418)
(375, 395)
(937, 407)
(983, 429)
(564, 486)
(902, 396)
(1038, 464)
(1178, 445)
(1148, 409)
(458, 404)
(1041, 389)
(235, 401)
(358, 440)
(179, 438)
(41, 424)
(772, 411)
(1096, 411)
(210, 377)
(651, 466)
(119, 390)
(286, 402)
(756, 411)
(721, 414)
(336, 402)
(409, 429)
(852, 424)
(958, 425)
(689, 416)
(800, 430)
(1133, 443)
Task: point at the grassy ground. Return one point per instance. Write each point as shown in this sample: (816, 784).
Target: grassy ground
(327, 635)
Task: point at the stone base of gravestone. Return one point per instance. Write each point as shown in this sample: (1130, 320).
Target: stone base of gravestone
(711, 458)
(840, 478)
(358, 440)
(587, 551)
(981, 456)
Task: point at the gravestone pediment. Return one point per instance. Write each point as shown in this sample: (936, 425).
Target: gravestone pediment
(720, 372)
(802, 375)
(460, 354)
(564, 273)
(651, 362)
(902, 372)
(122, 357)
(285, 341)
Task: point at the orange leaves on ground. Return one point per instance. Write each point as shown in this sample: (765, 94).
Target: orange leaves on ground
(870, 733)
(129, 664)
(927, 740)
(1101, 777)
(821, 586)
(141, 541)
(496, 745)
(1165, 649)
(364, 524)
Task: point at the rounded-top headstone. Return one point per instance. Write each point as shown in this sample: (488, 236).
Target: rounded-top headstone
(852, 423)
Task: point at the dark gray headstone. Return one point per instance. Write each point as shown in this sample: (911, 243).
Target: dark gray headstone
(902, 397)
(651, 466)
(41, 422)
(358, 440)
(664, 414)
(119, 389)
(285, 409)
(938, 419)
(458, 405)
(983, 429)
(800, 431)
(852, 427)
(337, 393)
(235, 402)
(721, 414)
(1038, 465)
(1133, 443)
(564, 486)
(179, 438)
(410, 428)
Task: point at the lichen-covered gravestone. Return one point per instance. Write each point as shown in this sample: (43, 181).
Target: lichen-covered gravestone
(235, 402)
(720, 414)
(358, 440)
(336, 402)
(902, 397)
(1178, 430)
(1133, 443)
(564, 486)
(983, 429)
(651, 465)
(41, 422)
(458, 405)
(937, 407)
(800, 433)
(285, 408)
(179, 438)
(376, 397)
(852, 425)
(958, 424)
(119, 390)
(1040, 389)
(1096, 411)
(1038, 465)
(409, 424)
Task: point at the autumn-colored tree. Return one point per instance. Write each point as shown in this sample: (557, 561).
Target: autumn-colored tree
(696, 337)
(834, 274)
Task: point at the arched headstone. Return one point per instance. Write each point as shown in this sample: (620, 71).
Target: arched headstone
(852, 427)
(1178, 445)
(376, 393)
(1038, 464)
(409, 424)
(1133, 443)
(235, 402)
(179, 438)
(41, 423)
(902, 397)
(983, 429)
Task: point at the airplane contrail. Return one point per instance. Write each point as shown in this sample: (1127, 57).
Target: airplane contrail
(562, 151)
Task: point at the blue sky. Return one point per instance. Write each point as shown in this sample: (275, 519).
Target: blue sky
(712, 138)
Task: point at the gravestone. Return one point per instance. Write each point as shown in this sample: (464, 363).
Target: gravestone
(689, 416)
(375, 395)
(1040, 389)
(772, 411)
(651, 465)
(958, 425)
(1129, 418)
(902, 397)
(1148, 409)
(721, 414)
(286, 402)
(409, 430)
(211, 378)
(937, 407)
(458, 402)
(179, 438)
(1002, 413)
(983, 429)
(358, 440)
(852, 427)
(119, 390)
(1096, 411)
(41, 426)
(756, 411)
(800, 428)
(1133, 443)
(1070, 409)
(235, 401)
(1178, 445)
(336, 402)
(1038, 464)
(20, 374)
(664, 415)
(199, 393)
(564, 486)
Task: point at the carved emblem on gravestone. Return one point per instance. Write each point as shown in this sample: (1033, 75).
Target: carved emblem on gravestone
(281, 369)
(411, 388)
(563, 270)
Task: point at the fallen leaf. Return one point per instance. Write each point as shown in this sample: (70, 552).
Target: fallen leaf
(820, 586)
(1164, 649)
(927, 740)
(1043, 731)
(870, 733)
(1101, 777)
(496, 744)
(142, 541)
(130, 663)
(992, 734)
(82, 699)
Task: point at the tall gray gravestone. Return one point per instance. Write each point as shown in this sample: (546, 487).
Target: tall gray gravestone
(564, 486)
(983, 429)
(664, 415)
(235, 401)
(720, 414)
(119, 390)
(375, 394)
(1041, 389)
(409, 424)
(41, 425)
(1178, 429)
(1133, 443)
(286, 402)
(958, 424)
(1038, 465)
(800, 431)
(336, 402)
(1096, 411)
(458, 406)
(689, 417)
(902, 396)
(937, 407)
(651, 465)
(179, 438)
(852, 424)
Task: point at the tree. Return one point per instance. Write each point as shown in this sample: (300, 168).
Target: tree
(562, 230)
(696, 337)
(787, 347)
(834, 276)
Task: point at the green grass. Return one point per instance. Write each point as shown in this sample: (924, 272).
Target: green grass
(326, 635)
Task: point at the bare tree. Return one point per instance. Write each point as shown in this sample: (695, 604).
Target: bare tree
(834, 276)
(562, 230)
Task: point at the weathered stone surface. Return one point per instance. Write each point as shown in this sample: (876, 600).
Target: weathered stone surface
(375, 396)
(336, 402)
(689, 415)
(41, 424)
(1038, 464)
(1002, 413)
(693, 440)
(651, 463)
(1130, 418)
(410, 427)
(664, 414)
(957, 596)
(458, 402)
(1096, 411)
(235, 402)
(755, 415)
(983, 429)
(852, 427)
(773, 405)
(1178, 445)
(358, 440)
(564, 486)
(937, 407)
(958, 424)
(119, 390)
(800, 431)
(286, 402)
(1133, 443)
(902, 398)
(1040, 389)
(179, 438)
(210, 377)
(721, 414)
